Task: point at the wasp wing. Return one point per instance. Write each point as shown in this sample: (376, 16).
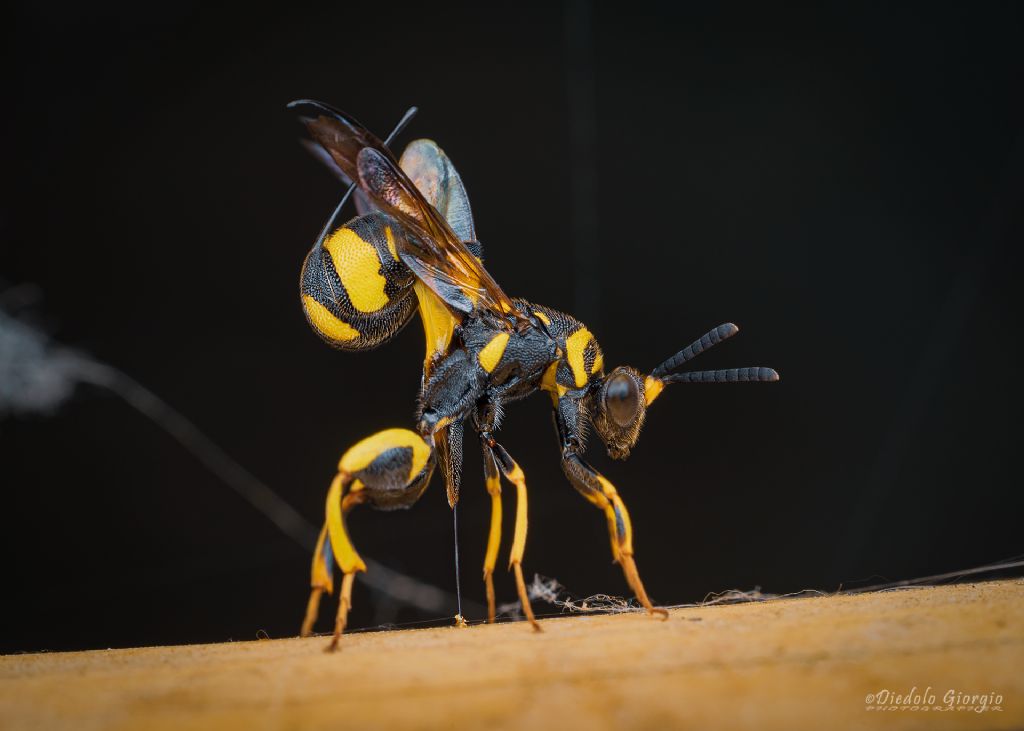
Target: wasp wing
(362, 203)
(434, 175)
(430, 170)
(433, 250)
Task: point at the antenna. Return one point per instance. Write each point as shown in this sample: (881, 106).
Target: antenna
(691, 351)
(708, 340)
(725, 375)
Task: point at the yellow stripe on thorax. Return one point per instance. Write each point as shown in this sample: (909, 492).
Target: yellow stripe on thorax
(358, 266)
(326, 323)
(491, 353)
(549, 383)
(575, 344)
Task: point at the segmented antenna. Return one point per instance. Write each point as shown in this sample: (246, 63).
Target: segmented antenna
(725, 375)
(691, 351)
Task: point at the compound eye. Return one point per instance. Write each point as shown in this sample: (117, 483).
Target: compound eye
(622, 399)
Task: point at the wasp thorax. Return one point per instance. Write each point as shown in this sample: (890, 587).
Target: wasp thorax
(619, 412)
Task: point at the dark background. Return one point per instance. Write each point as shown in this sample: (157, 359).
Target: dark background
(843, 183)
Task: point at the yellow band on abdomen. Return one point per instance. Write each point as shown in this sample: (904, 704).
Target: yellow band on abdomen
(358, 266)
(326, 323)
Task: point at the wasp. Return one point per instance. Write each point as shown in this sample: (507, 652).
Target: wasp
(414, 249)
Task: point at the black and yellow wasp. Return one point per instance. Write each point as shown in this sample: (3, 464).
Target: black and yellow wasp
(414, 249)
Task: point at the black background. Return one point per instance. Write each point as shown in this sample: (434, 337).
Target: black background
(843, 183)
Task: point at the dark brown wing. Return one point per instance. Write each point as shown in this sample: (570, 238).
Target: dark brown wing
(363, 205)
(431, 250)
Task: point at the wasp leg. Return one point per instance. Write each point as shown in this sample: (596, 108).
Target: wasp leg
(388, 470)
(514, 474)
(322, 579)
(493, 480)
(342, 548)
(344, 605)
(600, 492)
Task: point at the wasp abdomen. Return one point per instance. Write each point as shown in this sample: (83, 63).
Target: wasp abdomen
(356, 292)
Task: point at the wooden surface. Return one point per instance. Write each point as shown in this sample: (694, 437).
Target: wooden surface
(788, 664)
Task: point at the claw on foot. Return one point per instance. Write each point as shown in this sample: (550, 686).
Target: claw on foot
(524, 597)
(311, 611)
(633, 577)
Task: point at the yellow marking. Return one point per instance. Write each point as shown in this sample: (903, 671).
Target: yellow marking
(321, 574)
(612, 501)
(519, 533)
(344, 552)
(613, 533)
(575, 344)
(550, 384)
(542, 317)
(596, 498)
(606, 486)
(547, 381)
(438, 324)
(598, 362)
(358, 266)
(494, 538)
(625, 546)
(652, 389)
(363, 453)
(389, 234)
(326, 323)
(491, 353)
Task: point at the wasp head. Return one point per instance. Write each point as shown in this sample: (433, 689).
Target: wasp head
(619, 405)
(618, 409)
